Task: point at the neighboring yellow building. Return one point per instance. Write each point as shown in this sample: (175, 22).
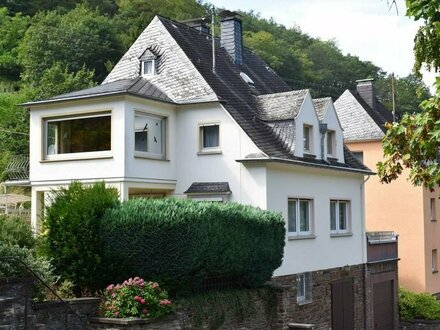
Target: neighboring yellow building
(412, 212)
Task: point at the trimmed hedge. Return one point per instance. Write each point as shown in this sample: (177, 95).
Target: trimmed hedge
(181, 243)
(70, 236)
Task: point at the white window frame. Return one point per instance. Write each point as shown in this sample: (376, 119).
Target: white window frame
(75, 155)
(153, 68)
(331, 141)
(339, 231)
(308, 139)
(208, 150)
(298, 232)
(304, 288)
(147, 154)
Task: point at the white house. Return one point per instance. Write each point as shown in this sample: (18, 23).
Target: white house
(166, 122)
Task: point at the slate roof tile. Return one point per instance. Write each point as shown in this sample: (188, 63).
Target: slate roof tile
(208, 188)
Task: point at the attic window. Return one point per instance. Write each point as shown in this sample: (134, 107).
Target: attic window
(148, 65)
(247, 79)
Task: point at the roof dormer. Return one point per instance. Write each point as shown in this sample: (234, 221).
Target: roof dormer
(148, 64)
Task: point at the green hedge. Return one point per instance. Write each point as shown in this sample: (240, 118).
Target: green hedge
(71, 237)
(15, 231)
(181, 243)
(418, 306)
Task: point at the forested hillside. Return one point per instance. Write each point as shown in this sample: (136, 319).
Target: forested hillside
(52, 47)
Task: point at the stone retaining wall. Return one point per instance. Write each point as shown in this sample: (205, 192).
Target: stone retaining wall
(420, 324)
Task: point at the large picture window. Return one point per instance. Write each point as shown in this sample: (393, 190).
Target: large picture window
(149, 135)
(339, 216)
(80, 134)
(299, 216)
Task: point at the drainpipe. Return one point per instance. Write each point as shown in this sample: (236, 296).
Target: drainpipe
(323, 131)
(364, 245)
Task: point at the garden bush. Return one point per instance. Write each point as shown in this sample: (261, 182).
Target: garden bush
(71, 237)
(181, 243)
(135, 298)
(14, 230)
(418, 306)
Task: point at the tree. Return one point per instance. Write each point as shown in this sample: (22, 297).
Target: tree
(414, 143)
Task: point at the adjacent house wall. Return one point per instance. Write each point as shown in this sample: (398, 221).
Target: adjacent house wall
(400, 207)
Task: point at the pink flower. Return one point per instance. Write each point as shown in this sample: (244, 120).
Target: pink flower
(165, 302)
(154, 285)
(110, 287)
(116, 313)
(142, 301)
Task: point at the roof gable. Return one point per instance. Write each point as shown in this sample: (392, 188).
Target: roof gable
(356, 121)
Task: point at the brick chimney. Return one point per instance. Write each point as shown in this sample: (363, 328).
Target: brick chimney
(198, 24)
(231, 35)
(365, 89)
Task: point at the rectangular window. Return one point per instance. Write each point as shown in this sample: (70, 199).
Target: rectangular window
(149, 135)
(339, 216)
(330, 142)
(299, 216)
(307, 130)
(434, 261)
(304, 288)
(432, 209)
(209, 138)
(147, 68)
(359, 155)
(80, 134)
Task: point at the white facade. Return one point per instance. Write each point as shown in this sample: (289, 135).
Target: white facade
(266, 185)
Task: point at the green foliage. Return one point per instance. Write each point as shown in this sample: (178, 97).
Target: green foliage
(413, 143)
(427, 39)
(15, 231)
(12, 29)
(418, 306)
(181, 243)
(71, 237)
(135, 298)
(81, 37)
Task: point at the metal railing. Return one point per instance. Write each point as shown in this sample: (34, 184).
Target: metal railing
(47, 286)
(17, 168)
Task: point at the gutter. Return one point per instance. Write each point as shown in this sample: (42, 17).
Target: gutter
(303, 163)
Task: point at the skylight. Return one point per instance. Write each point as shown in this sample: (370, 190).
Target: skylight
(247, 79)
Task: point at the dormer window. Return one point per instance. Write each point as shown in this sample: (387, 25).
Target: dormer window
(147, 68)
(148, 65)
(331, 143)
(307, 136)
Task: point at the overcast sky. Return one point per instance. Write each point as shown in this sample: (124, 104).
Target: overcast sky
(365, 28)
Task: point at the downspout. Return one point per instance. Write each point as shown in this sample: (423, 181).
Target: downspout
(323, 131)
(364, 244)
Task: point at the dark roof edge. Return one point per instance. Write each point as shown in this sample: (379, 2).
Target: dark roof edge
(303, 163)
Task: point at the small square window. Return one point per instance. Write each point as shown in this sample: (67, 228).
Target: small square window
(304, 288)
(331, 143)
(299, 216)
(307, 136)
(147, 68)
(339, 216)
(209, 138)
(359, 155)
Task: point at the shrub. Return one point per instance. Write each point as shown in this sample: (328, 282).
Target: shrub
(418, 306)
(39, 265)
(14, 230)
(71, 237)
(135, 298)
(181, 243)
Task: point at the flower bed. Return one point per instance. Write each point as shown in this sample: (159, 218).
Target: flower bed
(135, 298)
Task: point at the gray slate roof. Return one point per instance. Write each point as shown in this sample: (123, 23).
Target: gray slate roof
(280, 106)
(135, 86)
(359, 121)
(208, 188)
(320, 106)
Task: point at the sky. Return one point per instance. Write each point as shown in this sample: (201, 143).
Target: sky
(368, 29)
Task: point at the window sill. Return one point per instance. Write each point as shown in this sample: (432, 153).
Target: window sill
(433, 220)
(149, 156)
(332, 158)
(300, 237)
(73, 157)
(435, 271)
(209, 152)
(341, 234)
(304, 302)
(308, 155)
